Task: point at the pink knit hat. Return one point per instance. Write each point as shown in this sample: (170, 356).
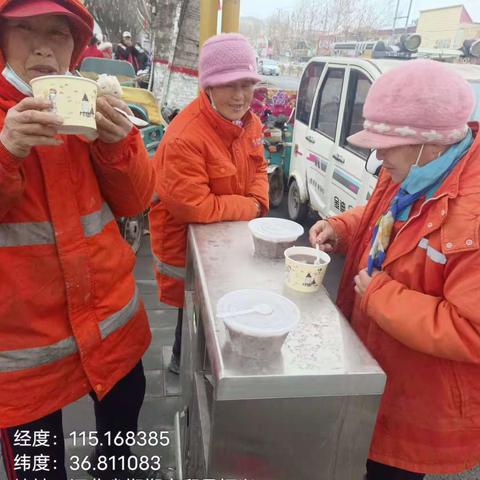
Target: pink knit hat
(226, 58)
(422, 101)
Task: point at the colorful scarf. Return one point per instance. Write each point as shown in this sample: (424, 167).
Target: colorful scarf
(421, 181)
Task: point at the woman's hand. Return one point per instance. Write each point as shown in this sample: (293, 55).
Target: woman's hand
(323, 235)
(363, 279)
(112, 127)
(30, 124)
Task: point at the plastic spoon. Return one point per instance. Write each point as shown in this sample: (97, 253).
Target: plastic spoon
(318, 260)
(138, 122)
(261, 308)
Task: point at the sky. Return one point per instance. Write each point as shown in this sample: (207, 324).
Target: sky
(264, 8)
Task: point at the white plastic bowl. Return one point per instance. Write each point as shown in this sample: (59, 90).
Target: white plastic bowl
(272, 236)
(256, 335)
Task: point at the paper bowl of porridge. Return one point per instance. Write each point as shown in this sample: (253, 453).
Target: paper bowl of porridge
(305, 268)
(73, 98)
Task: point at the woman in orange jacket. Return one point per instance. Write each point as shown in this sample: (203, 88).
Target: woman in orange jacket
(71, 321)
(210, 164)
(411, 279)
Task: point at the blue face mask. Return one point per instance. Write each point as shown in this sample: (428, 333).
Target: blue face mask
(429, 177)
(420, 176)
(16, 81)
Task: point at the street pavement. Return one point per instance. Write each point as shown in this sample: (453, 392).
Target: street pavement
(162, 396)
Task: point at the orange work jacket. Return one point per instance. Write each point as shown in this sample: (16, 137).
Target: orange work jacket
(421, 321)
(208, 170)
(71, 319)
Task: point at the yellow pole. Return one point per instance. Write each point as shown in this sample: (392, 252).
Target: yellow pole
(208, 19)
(231, 16)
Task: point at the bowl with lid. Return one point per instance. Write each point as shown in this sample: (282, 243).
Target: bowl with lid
(272, 236)
(258, 321)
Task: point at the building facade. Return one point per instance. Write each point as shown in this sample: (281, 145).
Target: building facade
(446, 27)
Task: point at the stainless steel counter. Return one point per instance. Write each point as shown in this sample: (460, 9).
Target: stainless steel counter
(321, 357)
(308, 413)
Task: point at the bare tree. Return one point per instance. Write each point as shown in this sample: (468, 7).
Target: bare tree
(279, 30)
(116, 16)
(339, 19)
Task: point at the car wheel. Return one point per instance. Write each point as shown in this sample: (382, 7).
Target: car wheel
(276, 187)
(297, 210)
(131, 229)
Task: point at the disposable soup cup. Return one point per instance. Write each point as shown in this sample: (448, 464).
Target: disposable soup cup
(73, 98)
(305, 268)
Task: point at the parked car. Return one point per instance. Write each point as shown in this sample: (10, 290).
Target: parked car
(268, 67)
(327, 174)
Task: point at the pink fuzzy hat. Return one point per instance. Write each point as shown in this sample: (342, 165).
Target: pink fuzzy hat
(226, 58)
(422, 101)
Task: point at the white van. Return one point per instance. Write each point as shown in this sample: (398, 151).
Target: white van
(327, 174)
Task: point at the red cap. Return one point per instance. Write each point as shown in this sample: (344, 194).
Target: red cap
(34, 8)
(79, 17)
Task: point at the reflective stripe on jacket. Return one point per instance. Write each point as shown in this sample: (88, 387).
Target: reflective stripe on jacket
(208, 170)
(420, 319)
(70, 316)
(22, 359)
(41, 233)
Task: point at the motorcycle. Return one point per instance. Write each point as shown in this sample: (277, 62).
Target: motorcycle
(276, 111)
(277, 147)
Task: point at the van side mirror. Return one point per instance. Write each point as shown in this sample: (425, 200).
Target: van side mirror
(373, 164)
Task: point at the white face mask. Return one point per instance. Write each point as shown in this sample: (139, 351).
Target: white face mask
(419, 156)
(210, 94)
(413, 167)
(239, 123)
(16, 81)
(416, 165)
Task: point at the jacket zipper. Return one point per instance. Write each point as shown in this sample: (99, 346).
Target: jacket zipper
(419, 213)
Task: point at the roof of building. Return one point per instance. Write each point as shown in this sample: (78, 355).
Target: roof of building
(443, 8)
(398, 30)
(465, 18)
